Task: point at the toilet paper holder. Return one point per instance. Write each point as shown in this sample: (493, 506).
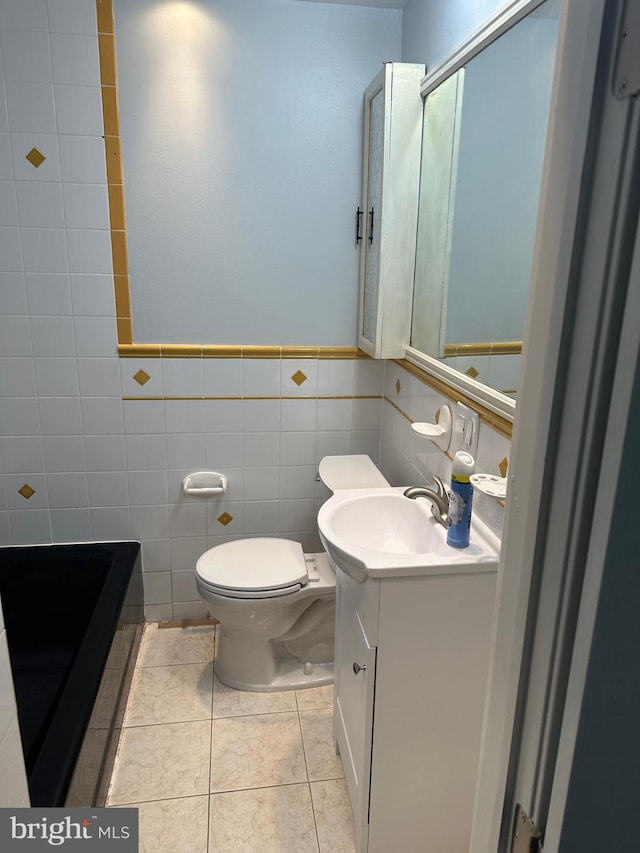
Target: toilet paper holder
(204, 484)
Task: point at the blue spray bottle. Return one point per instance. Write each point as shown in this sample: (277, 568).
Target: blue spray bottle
(460, 500)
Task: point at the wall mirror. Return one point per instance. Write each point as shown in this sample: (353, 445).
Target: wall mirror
(484, 131)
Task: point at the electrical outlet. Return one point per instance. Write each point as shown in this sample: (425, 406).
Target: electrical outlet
(466, 429)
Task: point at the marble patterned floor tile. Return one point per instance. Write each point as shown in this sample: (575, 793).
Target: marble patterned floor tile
(263, 820)
(228, 702)
(161, 762)
(315, 697)
(166, 646)
(319, 749)
(173, 826)
(334, 820)
(170, 694)
(256, 752)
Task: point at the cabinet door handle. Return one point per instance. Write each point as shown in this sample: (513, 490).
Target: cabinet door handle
(371, 225)
(358, 217)
(357, 668)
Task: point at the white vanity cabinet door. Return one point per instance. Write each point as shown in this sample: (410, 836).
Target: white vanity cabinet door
(390, 182)
(353, 709)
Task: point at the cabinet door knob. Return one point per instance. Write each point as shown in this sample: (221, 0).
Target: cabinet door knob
(357, 668)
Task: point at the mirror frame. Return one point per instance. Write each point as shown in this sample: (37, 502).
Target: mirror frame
(501, 405)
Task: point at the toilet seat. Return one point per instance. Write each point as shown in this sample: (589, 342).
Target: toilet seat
(253, 568)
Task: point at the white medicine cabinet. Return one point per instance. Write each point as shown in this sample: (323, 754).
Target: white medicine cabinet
(386, 222)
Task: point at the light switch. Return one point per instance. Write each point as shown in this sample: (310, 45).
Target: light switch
(466, 430)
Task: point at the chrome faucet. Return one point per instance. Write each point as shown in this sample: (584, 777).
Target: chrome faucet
(439, 499)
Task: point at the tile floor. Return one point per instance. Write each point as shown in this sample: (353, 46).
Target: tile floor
(217, 770)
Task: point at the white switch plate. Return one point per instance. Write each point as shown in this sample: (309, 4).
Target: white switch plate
(466, 428)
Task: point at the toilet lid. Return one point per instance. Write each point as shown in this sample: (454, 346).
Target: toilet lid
(254, 565)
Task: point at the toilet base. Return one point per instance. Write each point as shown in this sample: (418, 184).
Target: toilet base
(290, 676)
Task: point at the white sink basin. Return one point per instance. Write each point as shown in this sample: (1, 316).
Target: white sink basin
(381, 533)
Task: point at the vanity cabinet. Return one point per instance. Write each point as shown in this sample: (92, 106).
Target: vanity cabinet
(387, 221)
(412, 657)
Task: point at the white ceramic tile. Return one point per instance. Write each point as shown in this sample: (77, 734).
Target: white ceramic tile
(223, 415)
(150, 522)
(173, 826)
(89, 251)
(93, 296)
(13, 781)
(102, 415)
(11, 250)
(46, 144)
(260, 415)
(260, 377)
(319, 749)
(60, 416)
(53, 336)
(167, 646)
(67, 490)
(144, 416)
(157, 590)
(222, 377)
(21, 454)
(184, 416)
(223, 450)
(182, 377)
(158, 612)
(152, 386)
(261, 484)
(189, 610)
(75, 59)
(185, 551)
(297, 448)
(19, 416)
(30, 107)
(6, 156)
(86, 206)
(336, 377)
(228, 702)
(334, 819)
(72, 16)
(13, 293)
(146, 452)
(99, 376)
(63, 453)
(56, 377)
(105, 452)
(261, 517)
(26, 15)
(8, 205)
(297, 482)
(366, 442)
(44, 250)
(315, 698)
(332, 444)
(297, 515)
(335, 414)
(156, 762)
(5, 529)
(188, 519)
(79, 110)
(82, 159)
(298, 415)
(110, 523)
(95, 337)
(261, 449)
(71, 525)
(14, 482)
(183, 585)
(267, 820)
(108, 488)
(367, 414)
(17, 379)
(48, 294)
(369, 376)
(26, 56)
(308, 386)
(256, 751)
(155, 555)
(147, 488)
(30, 526)
(15, 338)
(4, 118)
(185, 451)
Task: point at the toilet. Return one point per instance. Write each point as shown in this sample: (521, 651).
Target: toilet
(276, 604)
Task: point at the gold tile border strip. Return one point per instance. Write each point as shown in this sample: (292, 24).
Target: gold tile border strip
(490, 348)
(496, 422)
(282, 397)
(131, 350)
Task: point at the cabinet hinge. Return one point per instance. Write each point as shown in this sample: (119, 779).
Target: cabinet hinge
(526, 835)
(626, 79)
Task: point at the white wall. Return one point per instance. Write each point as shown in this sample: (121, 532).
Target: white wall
(241, 132)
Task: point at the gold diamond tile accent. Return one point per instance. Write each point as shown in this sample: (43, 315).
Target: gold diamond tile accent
(225, 519)
(472, 372)
(35, 157)
(26, 491)
(299, 377)
(141, 377)
(503, 466)
(398, 386)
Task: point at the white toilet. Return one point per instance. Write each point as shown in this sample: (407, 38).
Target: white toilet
(275, 604)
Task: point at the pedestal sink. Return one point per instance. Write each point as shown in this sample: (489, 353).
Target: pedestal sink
(381, 533)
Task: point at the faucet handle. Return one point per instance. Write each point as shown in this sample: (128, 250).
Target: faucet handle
(441, 489)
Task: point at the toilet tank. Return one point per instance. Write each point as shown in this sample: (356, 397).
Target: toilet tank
(350, 472)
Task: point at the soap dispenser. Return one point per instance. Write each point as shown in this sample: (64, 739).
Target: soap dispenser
(460, 500)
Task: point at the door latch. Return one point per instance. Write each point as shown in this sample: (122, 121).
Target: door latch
(526, 835)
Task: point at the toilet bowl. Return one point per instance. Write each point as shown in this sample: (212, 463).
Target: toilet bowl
(276, 604)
